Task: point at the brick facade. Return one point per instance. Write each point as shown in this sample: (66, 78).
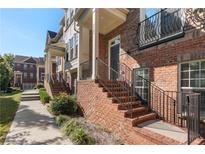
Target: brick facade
(99, 109)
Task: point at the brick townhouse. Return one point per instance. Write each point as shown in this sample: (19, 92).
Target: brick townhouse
(28, 71)
(139, 65)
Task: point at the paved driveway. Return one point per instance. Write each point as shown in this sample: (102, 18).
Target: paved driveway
(34, 125)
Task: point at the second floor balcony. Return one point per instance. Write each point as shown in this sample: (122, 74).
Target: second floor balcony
(161, 26)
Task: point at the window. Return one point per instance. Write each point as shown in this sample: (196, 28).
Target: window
(71, 43)
(193, 74)
(193, 80)
(25, 66)
(141, 87)
(42, 76)
(31, 75)
(76, 44)
(71, 54)
(18, 65)
(25, 75)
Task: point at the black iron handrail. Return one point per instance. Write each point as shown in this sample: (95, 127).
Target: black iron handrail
(121, 82)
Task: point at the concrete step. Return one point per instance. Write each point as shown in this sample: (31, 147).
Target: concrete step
(143, 118)
(30, 97)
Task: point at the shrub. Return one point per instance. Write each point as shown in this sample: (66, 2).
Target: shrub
(61, 119)
(70, 127)
(63, 104)
(79, 136)
(44, 96)
(73, 129)
(40, 85)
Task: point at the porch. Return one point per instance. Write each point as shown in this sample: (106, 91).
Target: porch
(94, 25)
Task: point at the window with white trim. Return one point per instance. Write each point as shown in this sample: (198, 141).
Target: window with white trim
(193, 74)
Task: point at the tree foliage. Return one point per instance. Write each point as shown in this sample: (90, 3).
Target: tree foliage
(6, 70)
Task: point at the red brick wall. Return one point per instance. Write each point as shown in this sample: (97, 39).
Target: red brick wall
(163, 59)
(99, 109)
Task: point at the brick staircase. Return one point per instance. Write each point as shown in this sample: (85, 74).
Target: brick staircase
(131, 106)
(57, 88)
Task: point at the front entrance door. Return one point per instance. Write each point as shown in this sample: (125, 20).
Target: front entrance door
(114, 57)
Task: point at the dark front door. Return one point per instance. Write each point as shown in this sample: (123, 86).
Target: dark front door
(114, 61)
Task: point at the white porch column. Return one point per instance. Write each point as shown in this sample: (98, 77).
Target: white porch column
(49, 66)
(80, 45)
(95, 39)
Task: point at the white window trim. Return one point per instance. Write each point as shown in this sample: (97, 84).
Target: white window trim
(190, 88)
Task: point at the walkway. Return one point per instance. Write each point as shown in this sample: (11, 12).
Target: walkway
(33, 124)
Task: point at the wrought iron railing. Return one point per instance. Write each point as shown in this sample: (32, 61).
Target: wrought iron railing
(55, 79)
(160, 27)
(112, 79)
(193, 117)
(86, 70)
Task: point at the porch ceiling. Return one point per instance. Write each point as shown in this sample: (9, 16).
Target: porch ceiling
(56, 49)
(109, 19)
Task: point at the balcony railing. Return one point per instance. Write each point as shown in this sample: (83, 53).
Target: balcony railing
(164, 25)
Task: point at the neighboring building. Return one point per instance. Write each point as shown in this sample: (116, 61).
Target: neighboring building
(62, 50)
(142, 61)
(71, 37)
(28, 71)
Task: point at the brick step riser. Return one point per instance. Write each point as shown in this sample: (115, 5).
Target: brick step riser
(126, 107)
(124, 100)
(118, 94)
(141, 120)
(136, 113)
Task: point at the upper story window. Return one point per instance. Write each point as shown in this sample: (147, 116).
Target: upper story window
(76, 44)
(18, 65)
(25, 66)
(25, 75)
(31, 75)
(71, 43)
(157, 25)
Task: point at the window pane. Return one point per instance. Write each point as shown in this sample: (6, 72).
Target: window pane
(139, 83)
(194, 83)
(203, 65)
(203, 74)
(194, 66)
(194, 74)
(184, 75)
(185, 83)
(150, 11)
(202, 83)
(185, 67)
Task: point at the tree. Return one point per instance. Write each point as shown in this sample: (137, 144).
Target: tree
(6, 71)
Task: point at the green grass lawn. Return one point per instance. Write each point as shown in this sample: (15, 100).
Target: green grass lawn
(8, 106)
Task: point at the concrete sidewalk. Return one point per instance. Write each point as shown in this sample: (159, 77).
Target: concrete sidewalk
(33, 124)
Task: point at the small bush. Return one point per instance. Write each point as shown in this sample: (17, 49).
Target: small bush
(40, 85)
(63, 104)
(79, 136)
(44, 96)
(61, 119)
(74, 130)
(70, 127)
